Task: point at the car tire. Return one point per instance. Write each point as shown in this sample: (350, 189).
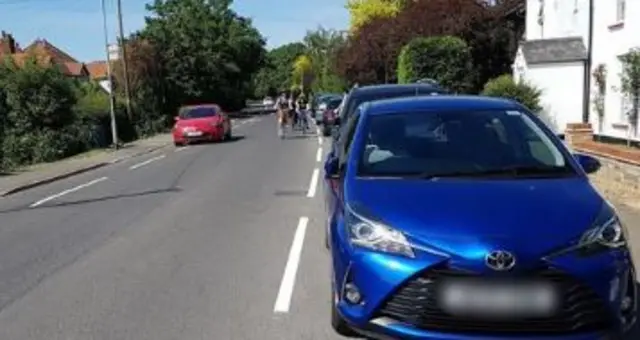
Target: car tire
(228, 135)
(178, 144)
(339, 324)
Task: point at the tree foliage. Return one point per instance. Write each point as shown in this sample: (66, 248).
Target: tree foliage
(276, 75)
(208, 52)
(322, 46)
(303, 73)
(506, 87)
(364, 11)
(445, 59)
(370, 54)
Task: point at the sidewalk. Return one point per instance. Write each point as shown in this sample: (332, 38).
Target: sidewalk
(41, 174)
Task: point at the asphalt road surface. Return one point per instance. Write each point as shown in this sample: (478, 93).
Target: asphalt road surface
(213, 241)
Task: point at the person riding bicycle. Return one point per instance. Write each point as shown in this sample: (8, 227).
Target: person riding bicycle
(282, 107)
(301, 107)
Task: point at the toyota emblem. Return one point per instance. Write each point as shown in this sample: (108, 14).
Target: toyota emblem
(500, 260)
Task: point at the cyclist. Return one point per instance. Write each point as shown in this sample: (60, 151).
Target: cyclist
(282, 107)
(301, 107)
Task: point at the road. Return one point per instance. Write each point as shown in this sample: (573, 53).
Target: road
(218, 241)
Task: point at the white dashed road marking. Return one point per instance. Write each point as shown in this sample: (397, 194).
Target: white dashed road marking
(151, 160)
(314, 183)
(283, 300)
(319, 155)
(60, 194)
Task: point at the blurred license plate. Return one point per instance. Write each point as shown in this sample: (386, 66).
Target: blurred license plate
(502, 299)
(194, 133)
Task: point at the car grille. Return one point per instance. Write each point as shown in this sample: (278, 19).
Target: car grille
(415, 303)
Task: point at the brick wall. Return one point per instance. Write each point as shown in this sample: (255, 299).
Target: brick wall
(619, 177)
(618, 181)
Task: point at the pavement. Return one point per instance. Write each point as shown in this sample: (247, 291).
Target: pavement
(190, 243)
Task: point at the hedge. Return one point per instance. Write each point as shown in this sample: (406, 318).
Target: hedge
(445, 59)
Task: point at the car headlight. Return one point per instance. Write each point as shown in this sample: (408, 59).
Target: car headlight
(366, 233)
(610, 234)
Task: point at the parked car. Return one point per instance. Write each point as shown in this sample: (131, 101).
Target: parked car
(362, 94)
(321, 105)
(464, 217)
(268, 101)
(329, 114)
(197, 123)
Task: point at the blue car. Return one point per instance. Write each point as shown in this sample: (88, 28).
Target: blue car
(463, 218)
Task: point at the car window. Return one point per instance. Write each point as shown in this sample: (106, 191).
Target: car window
(357, 99)
(414, 143)
(198, 112)
(349, 132)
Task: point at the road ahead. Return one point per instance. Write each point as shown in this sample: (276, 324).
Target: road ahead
(221, 241)
(188, 244)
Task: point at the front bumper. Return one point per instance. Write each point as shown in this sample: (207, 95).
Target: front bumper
(593, 291)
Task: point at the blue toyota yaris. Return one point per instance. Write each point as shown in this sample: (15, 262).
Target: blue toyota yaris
(454, 217)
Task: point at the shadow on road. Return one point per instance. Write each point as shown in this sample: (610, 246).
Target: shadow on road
(93, 200)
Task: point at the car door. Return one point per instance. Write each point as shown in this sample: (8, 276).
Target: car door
(334, 184)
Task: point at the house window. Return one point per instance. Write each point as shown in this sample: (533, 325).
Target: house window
(625, 108)
(620, 10)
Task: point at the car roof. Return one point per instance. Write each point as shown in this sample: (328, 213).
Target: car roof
(391, 88)
(418, 103)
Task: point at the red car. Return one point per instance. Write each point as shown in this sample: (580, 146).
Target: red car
(198, 123)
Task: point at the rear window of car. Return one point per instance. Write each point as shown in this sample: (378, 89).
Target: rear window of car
(198, 112)
(356, 99)
(334, 103)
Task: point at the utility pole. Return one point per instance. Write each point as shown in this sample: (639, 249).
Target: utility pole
(123, 56)
(114, 126)
(586, 104)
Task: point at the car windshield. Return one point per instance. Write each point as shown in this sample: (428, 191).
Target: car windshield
(500, 143)
(334, 103)
(198, 112)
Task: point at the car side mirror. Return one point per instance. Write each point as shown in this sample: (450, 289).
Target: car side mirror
(332, 167)
(588, 163)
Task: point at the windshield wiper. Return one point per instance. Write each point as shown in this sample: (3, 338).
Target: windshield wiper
(511, 171)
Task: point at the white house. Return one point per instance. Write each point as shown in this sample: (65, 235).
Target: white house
(555, 50)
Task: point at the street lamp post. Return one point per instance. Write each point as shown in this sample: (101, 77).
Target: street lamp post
(114, 127)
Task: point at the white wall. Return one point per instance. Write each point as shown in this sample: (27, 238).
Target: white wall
(564, 18)
(609, 43)
(562, 97)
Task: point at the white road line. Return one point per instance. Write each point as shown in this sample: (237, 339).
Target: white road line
(180, 149)
(314, 183)
(283, 300)
(319, 154)
(319, 140)
(68, 191)
(135, 166)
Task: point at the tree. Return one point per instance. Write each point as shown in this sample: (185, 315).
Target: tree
(208, 52)
(492, 33)
(630, 86)
(363, 11)
(322, 46)
(276, 74)
(504, 86)
(303, 74)
(445, 59)
(371, 53)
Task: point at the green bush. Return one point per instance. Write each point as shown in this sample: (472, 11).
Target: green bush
(445, 59)
(505, 86)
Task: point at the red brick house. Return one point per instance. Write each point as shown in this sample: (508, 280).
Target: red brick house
(45, 53)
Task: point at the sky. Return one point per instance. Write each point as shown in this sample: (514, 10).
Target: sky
(75, 26)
